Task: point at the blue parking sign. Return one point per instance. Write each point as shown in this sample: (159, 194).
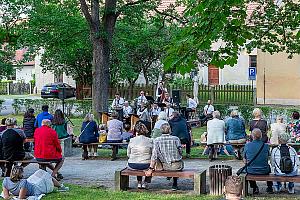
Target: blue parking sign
(252, 73)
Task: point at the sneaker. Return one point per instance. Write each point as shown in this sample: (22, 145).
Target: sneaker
(255, 190)
(139, 186)
(90, 154)
(270, 190)
(291, 190)
(63, 188)
(277, 188)
(95, 154)
(174, 188)
(145, 185)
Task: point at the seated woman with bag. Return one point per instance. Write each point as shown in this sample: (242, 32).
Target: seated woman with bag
(139, 153)
(89, 134)
(37, 184)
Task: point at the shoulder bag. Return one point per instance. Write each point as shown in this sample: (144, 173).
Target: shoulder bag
(241, 170)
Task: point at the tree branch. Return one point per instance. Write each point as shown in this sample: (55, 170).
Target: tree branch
(171, 16)
(87, 15)
(130, 4)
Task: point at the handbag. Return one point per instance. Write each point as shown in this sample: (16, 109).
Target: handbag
(241, 170)
(77, 138)
(103, 138)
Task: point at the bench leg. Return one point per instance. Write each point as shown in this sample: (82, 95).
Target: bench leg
(114, 152)
(121, 182)
(245, 185)
(200, 183)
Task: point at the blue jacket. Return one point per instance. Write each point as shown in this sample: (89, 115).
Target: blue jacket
(89, 133)
(235, 129)
(260, 165)
(179, 128)
(41, 117)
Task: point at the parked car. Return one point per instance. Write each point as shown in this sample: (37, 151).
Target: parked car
(52, 90)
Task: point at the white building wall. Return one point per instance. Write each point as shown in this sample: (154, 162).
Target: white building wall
(25, 74)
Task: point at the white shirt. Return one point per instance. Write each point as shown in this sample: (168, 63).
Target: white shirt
(208, 109)
(127, 110)
(140, 149)
(275, 160)
(159, 123)
(158, 95)
(215, 131)
(155, 111)
(141, 99)
(117, 103)
(169, 112)
(192, 103)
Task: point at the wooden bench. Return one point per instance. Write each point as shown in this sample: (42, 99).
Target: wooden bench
(113, 145)
(122, 178)
(42, 165)
(271, 177)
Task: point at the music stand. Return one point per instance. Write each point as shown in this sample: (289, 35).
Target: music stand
(150, 99)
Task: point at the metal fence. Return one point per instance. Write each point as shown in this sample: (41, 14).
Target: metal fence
(9, 88)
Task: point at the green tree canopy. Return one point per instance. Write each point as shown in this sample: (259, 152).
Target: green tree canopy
(235, 25)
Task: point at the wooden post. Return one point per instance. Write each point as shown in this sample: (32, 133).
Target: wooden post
(212, 93)
(245, 185)
(121, 182)
(200, 182)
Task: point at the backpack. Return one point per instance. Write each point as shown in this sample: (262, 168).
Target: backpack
(286, 164)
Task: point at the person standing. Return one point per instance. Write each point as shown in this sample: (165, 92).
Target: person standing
(161, 92)
(288, 155)
(191, 106)
(257, 152)
(117, 105)
(60, 125)
(43, 115)
(179, 128)
(168, 99)
(28, 127)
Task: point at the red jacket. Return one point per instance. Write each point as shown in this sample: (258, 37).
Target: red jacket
(46, 143)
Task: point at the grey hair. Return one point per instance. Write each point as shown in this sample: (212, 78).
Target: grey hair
(284, 138)
(165, 128)
(89, 117)
(216, 114)
(279, 118)
(256, 133)
(234, 113)
(257, 112)
(162, 116)
(46, 122)
(11, 121)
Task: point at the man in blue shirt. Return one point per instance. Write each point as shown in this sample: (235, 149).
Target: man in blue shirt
(260, 165)
(43, 115)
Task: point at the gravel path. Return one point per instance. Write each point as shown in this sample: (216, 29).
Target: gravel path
(100, 173)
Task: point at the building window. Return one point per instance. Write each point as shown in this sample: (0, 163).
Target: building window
(252, 60)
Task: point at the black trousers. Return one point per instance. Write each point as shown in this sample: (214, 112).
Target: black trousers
(187, 145)
(254, 185)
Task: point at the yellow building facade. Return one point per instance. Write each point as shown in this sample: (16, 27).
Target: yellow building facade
(278, 79)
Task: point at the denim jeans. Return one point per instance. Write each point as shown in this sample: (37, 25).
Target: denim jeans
(290, 185)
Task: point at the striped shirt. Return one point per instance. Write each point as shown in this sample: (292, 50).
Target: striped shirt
(167, 149)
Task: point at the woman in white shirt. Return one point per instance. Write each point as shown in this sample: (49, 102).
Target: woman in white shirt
(215, 132)
(161, 119)
(139, 152)
(277, 128)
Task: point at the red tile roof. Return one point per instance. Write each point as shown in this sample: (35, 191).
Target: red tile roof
(20, 55)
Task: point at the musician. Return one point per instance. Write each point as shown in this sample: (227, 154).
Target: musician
(169, 110)
(141, 99)
(127, 111)
(144, 114)
(168, 99)
(160, 92)
(191, 106)
(155, 110)
(117, 105)
(207, 111)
